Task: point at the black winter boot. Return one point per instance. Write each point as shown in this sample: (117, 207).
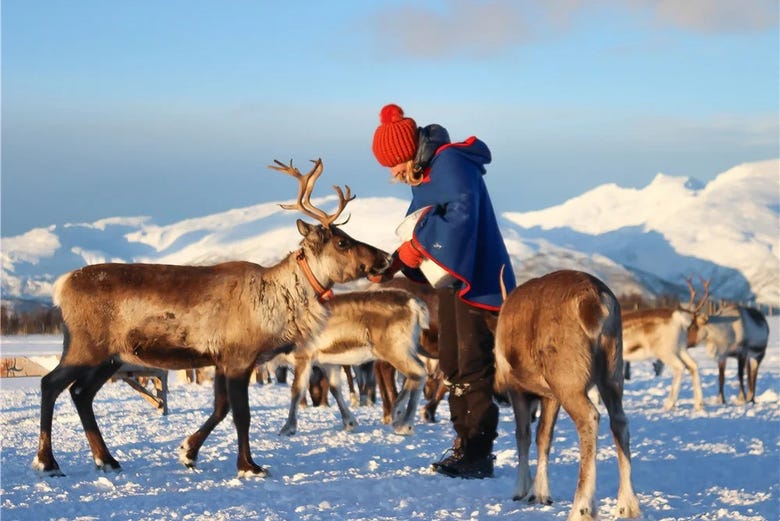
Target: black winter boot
(469, 468)
(451, 456)
(471, 460)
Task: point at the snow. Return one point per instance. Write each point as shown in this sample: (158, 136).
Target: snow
(721, 463)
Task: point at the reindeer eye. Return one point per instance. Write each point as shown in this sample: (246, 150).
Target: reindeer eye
(342, 244)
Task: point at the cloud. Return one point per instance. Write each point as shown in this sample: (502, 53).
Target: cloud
(713, 16)
(479, 28)
(29, 247)
(461, 26)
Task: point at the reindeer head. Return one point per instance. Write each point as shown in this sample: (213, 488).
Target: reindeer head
(698, 319)
(334, 256)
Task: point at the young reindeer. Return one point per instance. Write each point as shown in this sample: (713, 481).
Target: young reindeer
(660, 334)
(363, 326)
(435, 389)
(557, 336)
(179, 317)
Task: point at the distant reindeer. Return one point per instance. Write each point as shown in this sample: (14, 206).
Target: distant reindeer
(734, 331)
(557, 336)
(179, 317)
(362, 326)
(661, 334)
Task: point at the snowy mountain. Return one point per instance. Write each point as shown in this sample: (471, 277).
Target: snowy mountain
(638, 241)
(675, 227)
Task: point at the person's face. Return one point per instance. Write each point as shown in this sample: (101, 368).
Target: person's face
(401, 172)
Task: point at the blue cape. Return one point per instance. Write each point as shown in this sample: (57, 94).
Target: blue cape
(460, 232)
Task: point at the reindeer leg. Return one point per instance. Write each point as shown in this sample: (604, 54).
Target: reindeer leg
(677, 368)
(431, 406)
(385, 377)
(753, 364)
(586, 418)
(544, 434)
(52, 386)
(521, 405)
(238, 395)
(188, 450)
(693, 368)
(318, 387)
(721, 377)
(612, 394)
(366, 383)
(353, 395)
(83, 393)
(297, 390)
(413, 387)
(334, 380)
(741, 375)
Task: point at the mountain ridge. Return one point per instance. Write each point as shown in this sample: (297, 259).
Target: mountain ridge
(643, 241)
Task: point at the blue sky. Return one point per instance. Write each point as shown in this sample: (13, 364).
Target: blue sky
(173, 109)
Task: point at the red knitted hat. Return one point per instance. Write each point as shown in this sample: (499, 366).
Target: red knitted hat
(395, 139)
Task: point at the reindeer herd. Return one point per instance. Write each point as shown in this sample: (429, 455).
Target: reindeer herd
(557, 336)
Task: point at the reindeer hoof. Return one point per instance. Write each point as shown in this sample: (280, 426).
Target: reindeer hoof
(350, 425)
(540, 500)
(111, 466)
(629, 511)
(254, 472)
(287, 430)
(404, 430)
(186, 457)
(47, 470)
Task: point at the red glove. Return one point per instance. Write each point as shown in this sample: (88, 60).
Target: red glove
(410, 255)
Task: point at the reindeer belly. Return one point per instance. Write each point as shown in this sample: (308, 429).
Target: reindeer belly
(172, 358)
(165, 348)
(345, 353)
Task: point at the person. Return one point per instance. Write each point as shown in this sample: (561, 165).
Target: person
(458, 231)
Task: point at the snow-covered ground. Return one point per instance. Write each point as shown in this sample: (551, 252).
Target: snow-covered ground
(718, 464)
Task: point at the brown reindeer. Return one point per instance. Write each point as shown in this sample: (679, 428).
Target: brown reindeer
(179, 317)
(557, 336)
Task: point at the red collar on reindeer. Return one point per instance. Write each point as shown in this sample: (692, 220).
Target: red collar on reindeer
(323, 294)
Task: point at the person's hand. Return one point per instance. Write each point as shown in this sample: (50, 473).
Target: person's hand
(410, 255)
(389, 273)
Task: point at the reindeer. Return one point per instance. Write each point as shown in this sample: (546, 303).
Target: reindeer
(435, 388)
(179, 317)
(734, 331)
(557, 336)
(363, 326)
(660, 334)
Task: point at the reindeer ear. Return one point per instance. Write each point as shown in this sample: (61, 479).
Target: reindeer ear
(303, 227)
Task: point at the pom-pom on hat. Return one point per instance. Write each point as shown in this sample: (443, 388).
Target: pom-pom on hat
(395, 139)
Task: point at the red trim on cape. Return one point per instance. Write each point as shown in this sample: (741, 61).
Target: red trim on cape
(466, 285)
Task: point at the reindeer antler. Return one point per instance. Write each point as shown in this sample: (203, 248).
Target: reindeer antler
(692, 290)
(306, 187)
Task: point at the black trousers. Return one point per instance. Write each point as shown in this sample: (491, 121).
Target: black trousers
(467, 360)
